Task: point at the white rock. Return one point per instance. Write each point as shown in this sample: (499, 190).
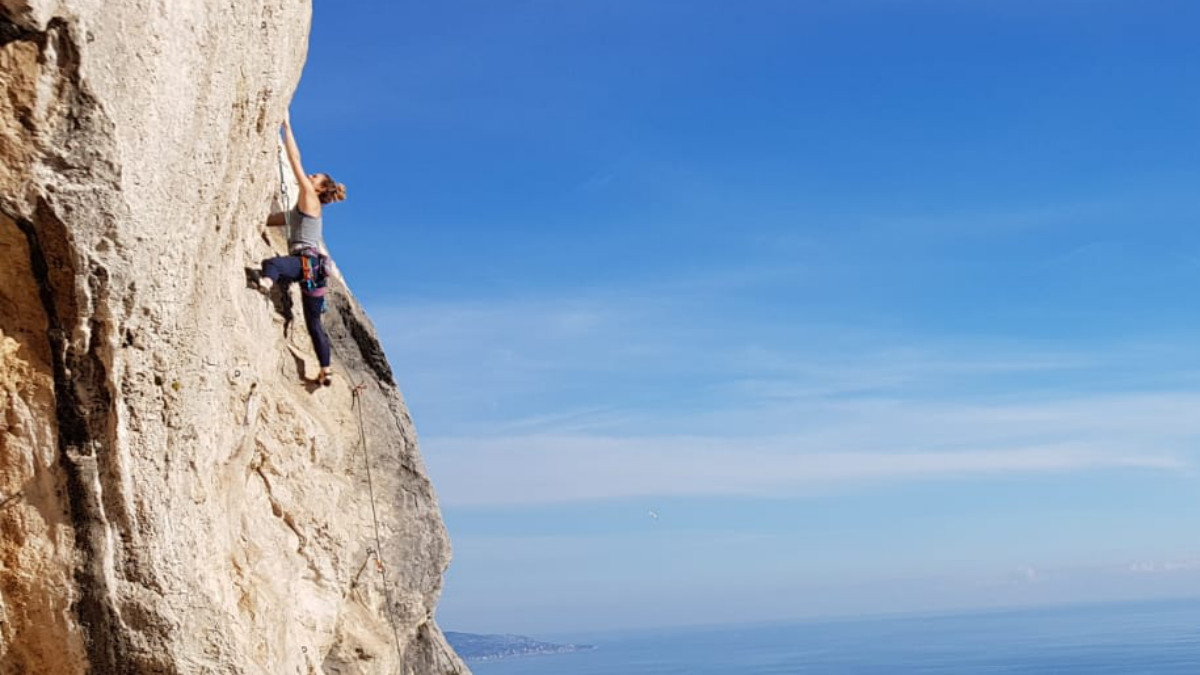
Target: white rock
(172, 498)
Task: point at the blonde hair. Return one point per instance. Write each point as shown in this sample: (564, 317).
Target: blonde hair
(331, 191)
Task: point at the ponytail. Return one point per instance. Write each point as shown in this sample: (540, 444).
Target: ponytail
(332, 191)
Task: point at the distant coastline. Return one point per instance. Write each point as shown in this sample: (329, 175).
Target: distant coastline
(1146, 636)
(476, 647)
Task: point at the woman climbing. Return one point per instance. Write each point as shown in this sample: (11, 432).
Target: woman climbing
(306, 264)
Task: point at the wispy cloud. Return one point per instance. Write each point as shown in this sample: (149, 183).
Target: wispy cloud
(618, 395)
(1164, 566)
(655, 336)
(548, 470)
(838, 446)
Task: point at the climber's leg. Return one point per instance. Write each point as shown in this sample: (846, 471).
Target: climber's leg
(282, 269)
(312, 319)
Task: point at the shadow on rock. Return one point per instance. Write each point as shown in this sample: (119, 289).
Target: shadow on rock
(281, 300)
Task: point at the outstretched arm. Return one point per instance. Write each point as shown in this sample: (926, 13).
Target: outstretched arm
(308, 200)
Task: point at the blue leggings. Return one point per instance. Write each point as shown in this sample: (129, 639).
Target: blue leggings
(286, 269)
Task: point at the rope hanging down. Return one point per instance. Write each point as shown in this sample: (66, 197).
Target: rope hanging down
(285, 201)
(387, 592)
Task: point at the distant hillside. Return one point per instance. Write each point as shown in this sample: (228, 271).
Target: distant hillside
(487, 647)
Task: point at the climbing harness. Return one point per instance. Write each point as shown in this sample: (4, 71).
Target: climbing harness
(314, 271)
(387, 592)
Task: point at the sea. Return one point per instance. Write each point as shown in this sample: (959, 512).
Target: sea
(1143, 638)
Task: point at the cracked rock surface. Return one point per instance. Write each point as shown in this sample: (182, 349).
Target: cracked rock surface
(173, 499)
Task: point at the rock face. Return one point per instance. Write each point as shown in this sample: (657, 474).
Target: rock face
(172, 498)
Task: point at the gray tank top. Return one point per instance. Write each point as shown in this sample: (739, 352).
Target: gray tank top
(304, 231)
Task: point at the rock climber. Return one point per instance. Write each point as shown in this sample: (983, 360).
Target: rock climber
(306, 264)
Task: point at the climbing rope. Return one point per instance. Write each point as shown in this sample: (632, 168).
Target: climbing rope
(285, 202)
(387, 592)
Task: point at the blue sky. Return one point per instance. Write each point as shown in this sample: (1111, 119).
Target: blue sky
(878, 305)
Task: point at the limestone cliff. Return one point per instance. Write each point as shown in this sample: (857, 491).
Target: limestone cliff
(172, 498)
